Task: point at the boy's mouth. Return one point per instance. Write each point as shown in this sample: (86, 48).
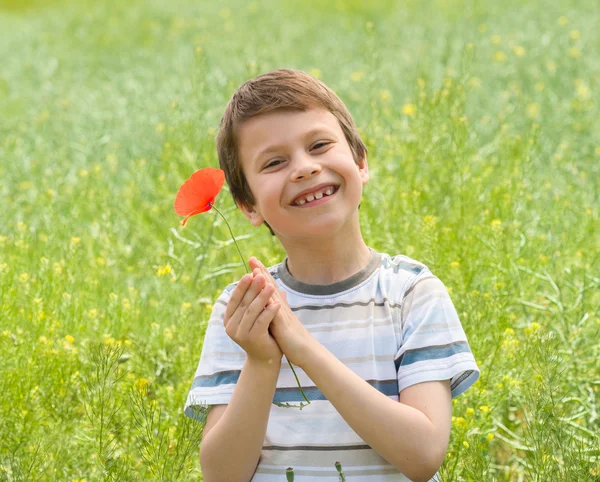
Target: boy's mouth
(319, 197)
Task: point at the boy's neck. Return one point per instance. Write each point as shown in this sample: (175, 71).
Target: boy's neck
(326, 263)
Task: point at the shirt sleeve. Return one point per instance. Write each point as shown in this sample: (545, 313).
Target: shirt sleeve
(434, 345)
(220, 364)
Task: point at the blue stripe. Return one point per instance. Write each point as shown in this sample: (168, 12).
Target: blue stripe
(431, 353)
(291, 394)
(283, 395)
(223, 378)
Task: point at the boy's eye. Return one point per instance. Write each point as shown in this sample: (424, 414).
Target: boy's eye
(273, 163)
(318, 145)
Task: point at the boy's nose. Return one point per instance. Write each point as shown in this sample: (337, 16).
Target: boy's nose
(305, 166)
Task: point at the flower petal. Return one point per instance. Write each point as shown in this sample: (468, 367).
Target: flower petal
(198, 193)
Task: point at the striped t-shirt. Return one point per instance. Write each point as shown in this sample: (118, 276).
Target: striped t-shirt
(393, 323)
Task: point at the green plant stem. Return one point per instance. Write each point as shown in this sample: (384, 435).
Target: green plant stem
(232, 237)
(248, 271)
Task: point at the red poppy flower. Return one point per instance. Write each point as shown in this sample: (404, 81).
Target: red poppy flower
(198, 193)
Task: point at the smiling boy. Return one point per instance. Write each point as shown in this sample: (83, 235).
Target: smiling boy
(378, 346)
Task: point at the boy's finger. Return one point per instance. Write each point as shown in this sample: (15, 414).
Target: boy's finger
(237, 296)
(268, 277)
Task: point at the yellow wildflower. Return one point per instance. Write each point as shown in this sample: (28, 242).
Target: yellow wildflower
(164, 270)
(574, 52)
(357, 76)
(490, 436)
(563, 20)
(75, 240)
(466, 444)
(385, 95)
(519, 51)
(574, 35)
(499, 56)
(533, 110)
(409, 109)
(316, 73)
(484, 409)
(70, 339)
(496, 39)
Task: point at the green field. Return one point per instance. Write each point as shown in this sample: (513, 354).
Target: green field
(483, 129)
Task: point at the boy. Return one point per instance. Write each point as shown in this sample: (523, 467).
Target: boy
(375, 339)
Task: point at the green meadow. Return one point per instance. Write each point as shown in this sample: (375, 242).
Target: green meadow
(483, 129)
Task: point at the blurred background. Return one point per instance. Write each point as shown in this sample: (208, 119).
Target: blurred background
(482, 125)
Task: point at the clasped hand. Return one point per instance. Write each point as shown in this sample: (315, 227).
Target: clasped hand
(259, 319)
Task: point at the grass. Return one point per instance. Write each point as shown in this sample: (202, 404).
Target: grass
(482, 126)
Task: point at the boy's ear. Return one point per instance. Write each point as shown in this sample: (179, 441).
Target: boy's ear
(254, 217)
(363, 169)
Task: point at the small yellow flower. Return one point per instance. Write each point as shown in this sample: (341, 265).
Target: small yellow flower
(490, 436)
(519, 51)
(574, 53)
(466, 444)
(142, 382)
(455, 264)
(70, 339)
(316, 73)
(470, 411)
(83, 172)
(24, 277)
(186, 306)
(496, 39)
(409, 109)
(164, 270)
(429, 220)
(563, 20)
(539, 86)
(551, 66)
(499, 56)
(574, 35)
(75, 240)
(496, 222)
(484, 409)
(385, 95)
(533, 110)
(475, 82)
(160, 127)
(583, 91)
(460, 422)
(357, 76)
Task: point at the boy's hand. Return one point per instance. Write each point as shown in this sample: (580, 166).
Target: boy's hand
(294, 340)
(247, 319)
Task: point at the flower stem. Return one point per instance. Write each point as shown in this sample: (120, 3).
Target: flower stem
(248, 271)
(232, 237)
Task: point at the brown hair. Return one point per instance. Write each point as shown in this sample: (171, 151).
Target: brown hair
(279, 89)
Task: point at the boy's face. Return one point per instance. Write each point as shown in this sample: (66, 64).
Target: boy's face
(283, 153)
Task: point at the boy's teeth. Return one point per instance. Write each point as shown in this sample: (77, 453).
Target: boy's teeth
(329, 191)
